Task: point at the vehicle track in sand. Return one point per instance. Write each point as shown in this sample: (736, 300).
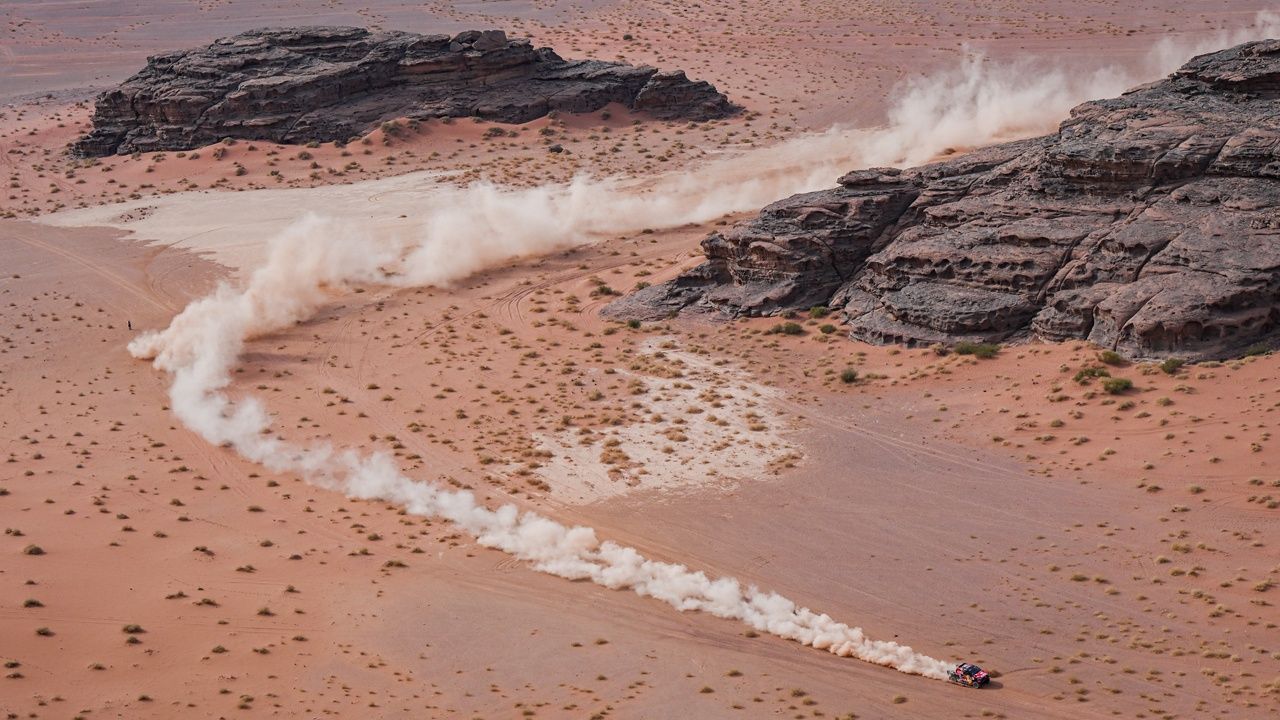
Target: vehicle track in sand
(92, 265)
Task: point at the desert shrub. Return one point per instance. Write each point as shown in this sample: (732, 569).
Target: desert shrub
(1085, 375)
(986, 351)
(1115, 386)
(633, 323)
(827, 329)
(818, 311)
(1110, 357)
(1172, 365)
(848, 376)
(787, 328)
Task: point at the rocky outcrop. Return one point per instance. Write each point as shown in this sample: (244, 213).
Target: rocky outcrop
(1149, 224)
(294, 85)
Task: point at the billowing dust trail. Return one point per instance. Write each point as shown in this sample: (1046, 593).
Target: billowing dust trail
(462, 231)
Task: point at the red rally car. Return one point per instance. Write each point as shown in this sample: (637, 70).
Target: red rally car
(969, 675)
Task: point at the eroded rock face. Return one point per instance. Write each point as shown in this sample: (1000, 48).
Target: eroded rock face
(331, 83)
(1149, 223)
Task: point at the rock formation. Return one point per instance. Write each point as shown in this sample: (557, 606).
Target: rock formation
(1149, 224)
(295, 85)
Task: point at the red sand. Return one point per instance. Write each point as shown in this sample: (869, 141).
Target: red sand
(1109, 556)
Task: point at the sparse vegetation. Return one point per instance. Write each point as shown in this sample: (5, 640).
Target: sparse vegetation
(1110, 357)
(1086, 375)
(986, 351)
(1115, 386)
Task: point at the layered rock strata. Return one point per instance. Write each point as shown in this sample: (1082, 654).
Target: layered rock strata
(295, 85)
(1149, 224)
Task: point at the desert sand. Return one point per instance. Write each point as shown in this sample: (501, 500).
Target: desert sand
(1107, 555)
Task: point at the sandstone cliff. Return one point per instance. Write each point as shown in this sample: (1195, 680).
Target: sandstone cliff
(330, 83)
(1149, 223)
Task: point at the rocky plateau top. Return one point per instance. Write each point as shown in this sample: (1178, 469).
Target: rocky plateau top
(296, 85)
(1148, 224)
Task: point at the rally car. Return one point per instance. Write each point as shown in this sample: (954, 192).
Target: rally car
(969, 675)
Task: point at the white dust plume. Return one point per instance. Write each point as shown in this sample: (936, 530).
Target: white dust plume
(465, 230)
(980, 101)
(309, 265)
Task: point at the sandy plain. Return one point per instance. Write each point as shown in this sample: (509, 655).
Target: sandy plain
(1109, 556)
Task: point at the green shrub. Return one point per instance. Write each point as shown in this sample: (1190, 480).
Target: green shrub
(1087, 374)
(818, 311)
(848, 376)
(787, 328)
(986, 351)
(827, 329)
(1110, 357)
(1172, 365)
(1115, 386)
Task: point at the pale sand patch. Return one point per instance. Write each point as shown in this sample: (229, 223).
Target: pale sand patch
(233, 228)
(705, 424)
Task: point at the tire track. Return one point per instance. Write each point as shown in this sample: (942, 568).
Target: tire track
(102, 272)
